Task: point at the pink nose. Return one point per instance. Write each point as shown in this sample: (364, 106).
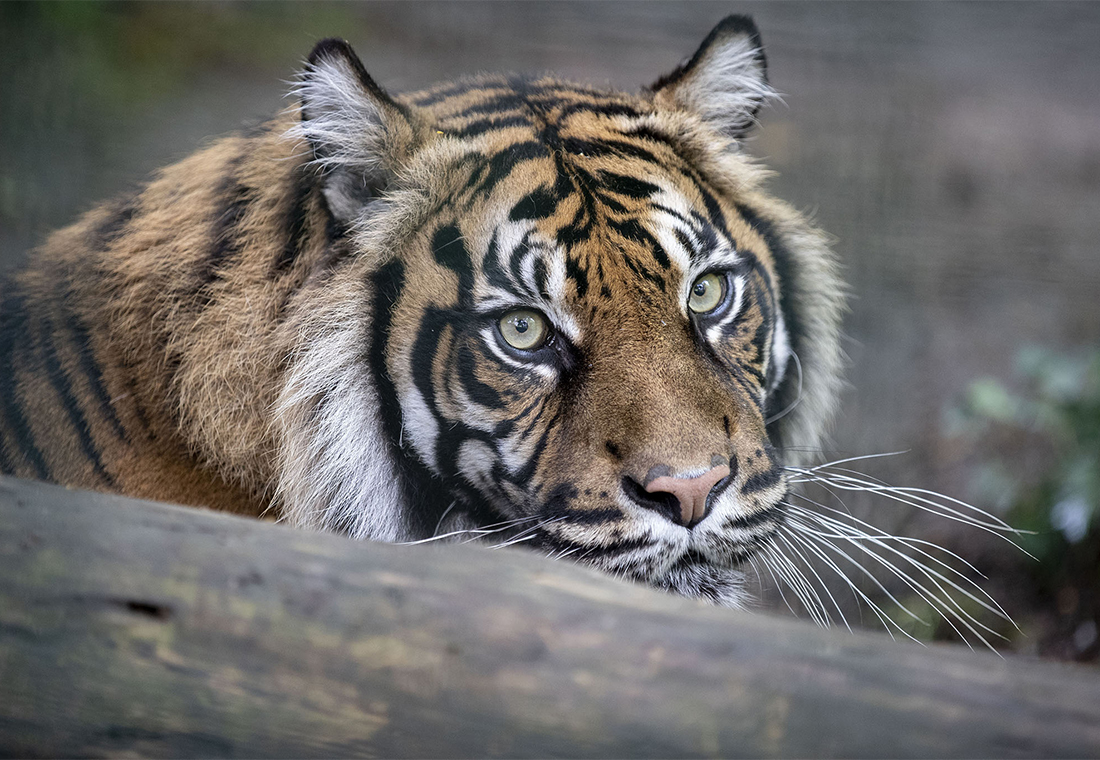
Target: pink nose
(690, 492)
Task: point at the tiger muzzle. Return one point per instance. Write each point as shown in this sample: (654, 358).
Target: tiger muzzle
(683, 500)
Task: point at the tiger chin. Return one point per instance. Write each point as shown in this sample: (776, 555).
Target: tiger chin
(514, 308)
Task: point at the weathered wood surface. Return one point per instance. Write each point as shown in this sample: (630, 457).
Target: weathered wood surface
(136, 628)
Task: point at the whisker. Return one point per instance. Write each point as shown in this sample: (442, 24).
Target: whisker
(797, 396)
(943, 602)
(801, 587)
(859, 593)
(443, 516)
(759, 579)
(527, 533)
(811, 533)
(860, 458)
(916, 497)
(472, 534)
(904, 540)
(779, 586)
(809, 565)
(914, 544)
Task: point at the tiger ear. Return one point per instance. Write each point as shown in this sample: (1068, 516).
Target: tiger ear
(725, 82)
(359, 135)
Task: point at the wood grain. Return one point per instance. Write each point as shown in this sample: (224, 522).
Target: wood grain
(132, 628)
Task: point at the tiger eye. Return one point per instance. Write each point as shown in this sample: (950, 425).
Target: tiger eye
(524, 329)
(707, 293)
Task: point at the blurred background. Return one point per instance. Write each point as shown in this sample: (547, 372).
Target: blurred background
(952, 149)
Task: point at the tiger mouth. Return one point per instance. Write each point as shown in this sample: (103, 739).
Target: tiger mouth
(741, 552)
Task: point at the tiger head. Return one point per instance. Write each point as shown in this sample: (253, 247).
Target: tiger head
(574, 319)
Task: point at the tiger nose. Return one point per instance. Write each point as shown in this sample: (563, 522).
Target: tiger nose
(692, 493)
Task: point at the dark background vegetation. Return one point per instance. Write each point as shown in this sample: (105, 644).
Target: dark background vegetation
(952, 149)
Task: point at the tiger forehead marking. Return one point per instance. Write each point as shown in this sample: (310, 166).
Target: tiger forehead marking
(514, 307)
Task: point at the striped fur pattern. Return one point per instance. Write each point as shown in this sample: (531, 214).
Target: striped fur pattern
(309, 319)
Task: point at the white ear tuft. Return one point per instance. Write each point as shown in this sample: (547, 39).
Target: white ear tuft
(725, 82)
(358, 134)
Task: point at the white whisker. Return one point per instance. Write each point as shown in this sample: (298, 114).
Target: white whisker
(943, 602)
(811, 533)
(853, 533)
(527, 533)
(860, 594)
(471, 534)
(798, 552)
(904, 540)
(914, 497)
(801, 587)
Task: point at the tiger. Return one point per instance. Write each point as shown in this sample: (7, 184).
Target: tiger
(566, 316)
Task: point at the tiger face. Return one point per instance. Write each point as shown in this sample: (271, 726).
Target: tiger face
(593, 361)
(584, 319)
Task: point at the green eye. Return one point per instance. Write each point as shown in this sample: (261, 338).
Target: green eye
(523, 329)
(707, 293)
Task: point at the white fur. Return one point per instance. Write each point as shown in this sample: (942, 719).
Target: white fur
(727, 86)
(715, 333)
(347, 128)
(341, 116)
(780, 351)
(335, 468)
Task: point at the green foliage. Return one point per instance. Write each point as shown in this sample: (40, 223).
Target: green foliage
(1040, 464)
(1047, 471)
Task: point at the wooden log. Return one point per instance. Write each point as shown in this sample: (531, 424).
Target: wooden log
(133, 628)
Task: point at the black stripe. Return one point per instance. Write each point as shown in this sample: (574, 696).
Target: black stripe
(631, 187)
(775, 512)
(642, 271)
(420, 487)
(587, 551)
(13, 327)
(498, 105)
(527, 471)
(597, 148)
(458, 88)
(502, 164)
(541, 275)
(581, 225)
(717, 218)
(577, 273)
(224, 243)
(783, 396)
(432, 495)
(491, 266)
(632, 230)
(652, 135)
(557, 505)
(63, 387)
(478, 392)
(451, 434)
(762, 480)
(738, 371)
(113, 226)
(296, 226)
(82, 342)
(688, 243)
(481, 126)
(604, 109)
(450, 251)
(505, 427)
(538, 204)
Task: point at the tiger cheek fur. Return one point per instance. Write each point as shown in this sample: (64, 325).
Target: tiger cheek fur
(510, 307)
